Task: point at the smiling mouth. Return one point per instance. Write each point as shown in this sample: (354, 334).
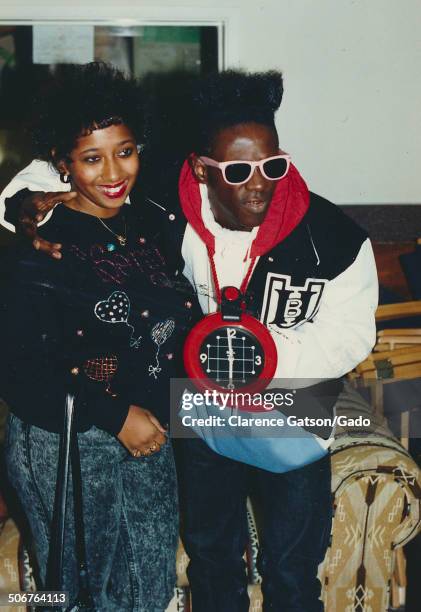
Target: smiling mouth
(115, 191)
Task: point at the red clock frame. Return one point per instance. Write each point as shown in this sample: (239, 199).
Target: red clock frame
(208, 325)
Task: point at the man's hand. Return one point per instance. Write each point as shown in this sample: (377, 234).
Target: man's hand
(33, 210)
(142, 433)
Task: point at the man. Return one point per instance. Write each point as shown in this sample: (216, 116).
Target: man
(312, 282)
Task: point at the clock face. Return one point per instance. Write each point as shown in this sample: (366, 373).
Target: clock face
(225, 355)
(232, 356)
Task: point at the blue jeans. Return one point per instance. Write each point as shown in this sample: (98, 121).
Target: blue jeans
(295, 509)
(130, 515)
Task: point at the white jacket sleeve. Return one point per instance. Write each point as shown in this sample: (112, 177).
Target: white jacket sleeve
(38, 176)
(343, 330)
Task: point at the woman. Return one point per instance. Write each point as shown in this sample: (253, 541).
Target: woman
(110, 314)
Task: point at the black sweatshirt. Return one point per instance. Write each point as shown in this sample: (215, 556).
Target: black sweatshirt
(118, 314)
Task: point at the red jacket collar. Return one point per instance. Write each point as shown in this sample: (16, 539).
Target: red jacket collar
(288, 206)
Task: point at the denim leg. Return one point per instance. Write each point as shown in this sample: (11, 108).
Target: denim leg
(101, 457)
(212, 493)
(150, 527)
(141, 547)
(296, 515)
(113, 484)
(34, 496)
(32, 456)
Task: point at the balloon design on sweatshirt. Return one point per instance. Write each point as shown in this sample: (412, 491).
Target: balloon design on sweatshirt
(116, 309)
(160, 334)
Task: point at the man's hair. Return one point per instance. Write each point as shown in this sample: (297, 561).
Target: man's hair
(79, 99)
(234, 97)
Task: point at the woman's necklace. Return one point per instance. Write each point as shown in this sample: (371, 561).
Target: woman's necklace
(122, 239)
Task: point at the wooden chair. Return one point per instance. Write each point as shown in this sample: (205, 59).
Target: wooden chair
(391, 339)
(389, 312)
(388, 364)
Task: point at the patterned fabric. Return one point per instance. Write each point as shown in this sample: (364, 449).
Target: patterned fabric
(9, 565)
(181, 600)
(252, 548)
(377, 488)
(377, 508)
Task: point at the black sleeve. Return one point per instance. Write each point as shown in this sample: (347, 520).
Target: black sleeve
(13, 205)
(36, 362)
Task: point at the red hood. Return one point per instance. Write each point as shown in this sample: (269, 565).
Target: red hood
(288, 206)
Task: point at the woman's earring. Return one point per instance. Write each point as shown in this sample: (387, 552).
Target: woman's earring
(139, 147)
(65, 178)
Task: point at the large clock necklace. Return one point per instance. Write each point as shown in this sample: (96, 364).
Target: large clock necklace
(230, 350)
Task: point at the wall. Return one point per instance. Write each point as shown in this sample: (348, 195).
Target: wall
(351, 110)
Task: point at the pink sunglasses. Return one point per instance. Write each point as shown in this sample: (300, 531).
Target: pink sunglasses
(237, 172)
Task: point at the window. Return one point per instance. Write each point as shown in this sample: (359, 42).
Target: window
(29, 52)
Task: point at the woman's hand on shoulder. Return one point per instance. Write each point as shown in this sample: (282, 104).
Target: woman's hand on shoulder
(33, 210)
(142, 433)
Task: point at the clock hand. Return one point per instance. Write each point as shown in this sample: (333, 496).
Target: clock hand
(230, 355)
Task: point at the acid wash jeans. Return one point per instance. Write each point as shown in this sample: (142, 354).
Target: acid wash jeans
(130, 515)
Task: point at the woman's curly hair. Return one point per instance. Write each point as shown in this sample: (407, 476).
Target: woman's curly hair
(79, 99)
(233, 97)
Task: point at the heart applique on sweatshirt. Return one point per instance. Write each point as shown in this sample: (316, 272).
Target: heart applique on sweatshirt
(116, 309)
